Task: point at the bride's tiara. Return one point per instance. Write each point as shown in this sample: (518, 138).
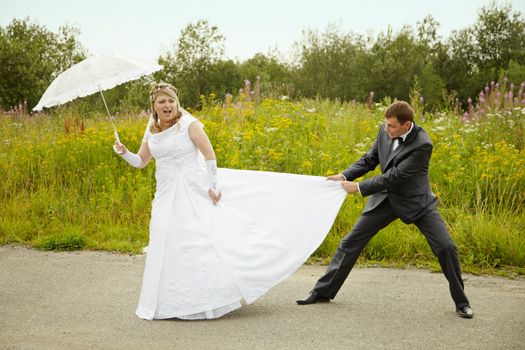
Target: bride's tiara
(157, 87)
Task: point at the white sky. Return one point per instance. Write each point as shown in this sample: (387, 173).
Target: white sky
(147, 29)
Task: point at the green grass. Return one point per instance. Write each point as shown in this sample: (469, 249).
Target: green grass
(62, 187)
(70, 238)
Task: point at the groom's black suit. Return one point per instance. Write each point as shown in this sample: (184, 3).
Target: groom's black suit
(401, 191)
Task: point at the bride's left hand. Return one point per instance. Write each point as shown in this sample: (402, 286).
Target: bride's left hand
(215, 197)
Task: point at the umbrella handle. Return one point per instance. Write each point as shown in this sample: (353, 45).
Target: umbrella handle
(110, 117)
(116, 136)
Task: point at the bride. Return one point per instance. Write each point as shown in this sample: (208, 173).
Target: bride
(210, 251)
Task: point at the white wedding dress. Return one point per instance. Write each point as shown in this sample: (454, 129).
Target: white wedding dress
(203, 260)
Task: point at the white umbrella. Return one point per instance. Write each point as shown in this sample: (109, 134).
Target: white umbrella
(93, 75)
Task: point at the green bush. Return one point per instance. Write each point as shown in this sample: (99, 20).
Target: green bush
(71, 239)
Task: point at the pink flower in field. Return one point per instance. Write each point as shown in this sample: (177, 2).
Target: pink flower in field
(481, 94)
(469, 100)
(497, 85)
(522, 85)
(481, 100)
(511, 95)
(511, 87)
(487, 88)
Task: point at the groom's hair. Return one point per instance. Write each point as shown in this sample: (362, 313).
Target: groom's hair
(401, 110)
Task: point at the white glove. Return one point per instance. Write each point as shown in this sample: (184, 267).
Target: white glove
(133, 159)
(211, 169)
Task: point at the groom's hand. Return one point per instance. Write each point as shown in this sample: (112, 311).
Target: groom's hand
(350, 187)
(338, 177)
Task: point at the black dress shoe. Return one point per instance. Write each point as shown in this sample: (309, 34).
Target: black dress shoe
(313, 298)
(465, 312)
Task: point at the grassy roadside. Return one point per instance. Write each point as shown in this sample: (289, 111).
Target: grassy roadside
(63, 188)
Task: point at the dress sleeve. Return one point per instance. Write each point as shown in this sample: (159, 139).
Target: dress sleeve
(187, 119)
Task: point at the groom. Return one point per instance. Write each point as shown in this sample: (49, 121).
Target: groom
(402, 150)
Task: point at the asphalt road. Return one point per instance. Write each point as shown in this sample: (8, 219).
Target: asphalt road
(86, 300)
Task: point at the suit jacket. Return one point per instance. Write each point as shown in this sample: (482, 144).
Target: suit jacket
(404, 179)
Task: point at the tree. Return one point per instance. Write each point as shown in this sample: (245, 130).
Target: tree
(330, 65)
(427, 32)
(515, 73)
(273, 74)
(31, 57)
(499, 35)
(223, 78)
(200, 46)
(479, 54)
(394, 62)
(432, 86)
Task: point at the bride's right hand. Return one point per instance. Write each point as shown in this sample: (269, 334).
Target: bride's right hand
(119, 148)
(215, 196)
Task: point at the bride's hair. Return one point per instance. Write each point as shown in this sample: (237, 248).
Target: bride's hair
(166, 89)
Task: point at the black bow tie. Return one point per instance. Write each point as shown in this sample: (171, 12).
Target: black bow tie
(399, 140)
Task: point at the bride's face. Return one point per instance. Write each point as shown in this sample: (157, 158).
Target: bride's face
(166, 108)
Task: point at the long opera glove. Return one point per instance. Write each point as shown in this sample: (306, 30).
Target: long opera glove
(211, 170)
(133, 159)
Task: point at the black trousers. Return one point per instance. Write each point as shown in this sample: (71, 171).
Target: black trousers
(431, 225)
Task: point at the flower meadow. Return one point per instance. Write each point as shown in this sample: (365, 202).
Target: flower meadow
(63, 188)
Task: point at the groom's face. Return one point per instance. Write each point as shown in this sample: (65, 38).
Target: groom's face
(394, 128)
